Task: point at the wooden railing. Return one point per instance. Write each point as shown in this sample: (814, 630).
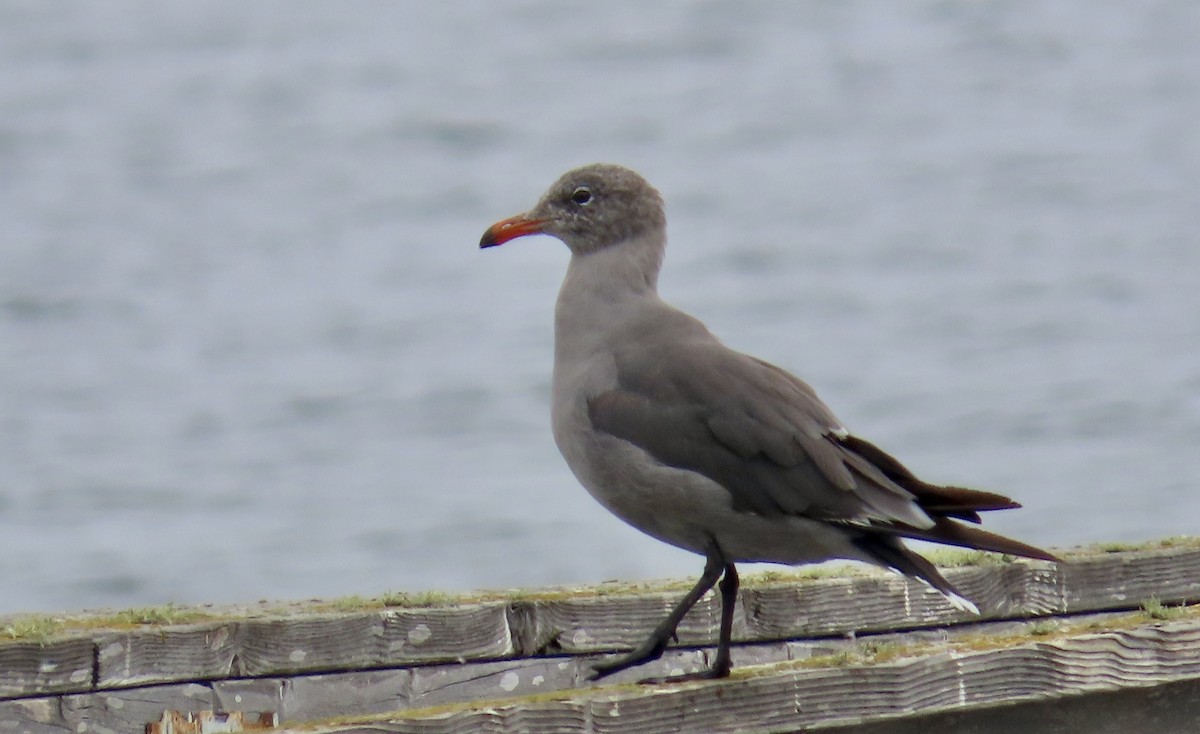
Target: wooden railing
(1104, 638)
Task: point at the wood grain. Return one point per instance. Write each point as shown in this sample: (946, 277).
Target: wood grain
(300, 643)
(308, 664)
(940, 670)
(33, 667)
(168, 653)
(786, 698)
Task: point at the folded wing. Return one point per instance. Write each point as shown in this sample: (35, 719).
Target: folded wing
(766, 437)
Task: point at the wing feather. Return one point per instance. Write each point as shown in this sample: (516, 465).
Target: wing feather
(753, 428)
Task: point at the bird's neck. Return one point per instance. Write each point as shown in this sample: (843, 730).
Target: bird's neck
(602, 288)
(626, 268)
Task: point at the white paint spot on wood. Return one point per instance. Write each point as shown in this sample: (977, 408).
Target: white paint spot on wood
(47, 667)
(510, 680)
(419, 634)
(218, 638)
(538, 680)
(81, 675)
(112, 649)
(580, 637)
(81, 727)
(962, 681)
(113, 703)
(37, 710)
(297, 656)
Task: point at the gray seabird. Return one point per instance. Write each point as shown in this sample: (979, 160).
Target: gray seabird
(706, 448)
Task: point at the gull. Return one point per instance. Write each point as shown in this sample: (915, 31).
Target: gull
(706, 448)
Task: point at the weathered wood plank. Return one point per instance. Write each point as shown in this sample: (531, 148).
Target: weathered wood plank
(1171, 708)
(252, 694)
(314, 697)
(938, 669)
(375, 639)
(308, 697)
(785, 697)
(885, 601)
(300, 643)
(471, 631)
(28, 668)
(1106, 581)
(34, 715)
(264, 643)
(581, 624)
(107, 712)
(836, 606)
(167, 653)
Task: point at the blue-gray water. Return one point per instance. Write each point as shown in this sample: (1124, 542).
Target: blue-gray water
(249, 348)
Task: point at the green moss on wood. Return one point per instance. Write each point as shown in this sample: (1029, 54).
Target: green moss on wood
(1155, 609)
(36, 629)
(160, 615)
(40, 628)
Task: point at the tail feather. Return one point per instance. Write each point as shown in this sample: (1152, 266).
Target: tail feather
(958, 502)
(890, 552)
(886, 548)
(949, 532)
(946, 506)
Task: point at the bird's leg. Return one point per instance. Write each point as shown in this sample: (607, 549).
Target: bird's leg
(729, 589)
(656, 643)
(722, 664)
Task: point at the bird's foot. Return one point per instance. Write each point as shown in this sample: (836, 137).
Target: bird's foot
(714, 673)
(719, 669)
(651, 650)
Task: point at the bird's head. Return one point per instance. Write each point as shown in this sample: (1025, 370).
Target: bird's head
(588, 208)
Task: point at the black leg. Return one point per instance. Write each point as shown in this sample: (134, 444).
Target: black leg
(729, 589)
(656, 643)
(722, 664)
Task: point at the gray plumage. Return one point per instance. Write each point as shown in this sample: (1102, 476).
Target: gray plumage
(703, 447)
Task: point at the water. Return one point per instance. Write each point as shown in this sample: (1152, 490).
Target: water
(248, 347)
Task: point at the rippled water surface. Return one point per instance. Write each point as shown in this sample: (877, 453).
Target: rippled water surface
(249, 348)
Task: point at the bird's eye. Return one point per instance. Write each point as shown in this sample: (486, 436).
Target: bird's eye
(582, 196)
